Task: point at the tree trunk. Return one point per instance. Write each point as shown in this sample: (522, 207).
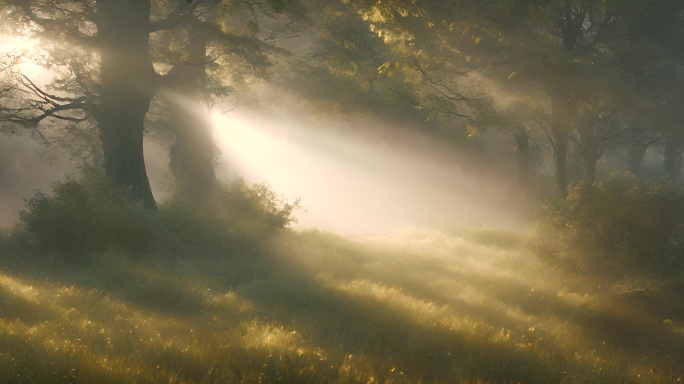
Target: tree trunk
(522, 140)
(128, 85)
(636, 153)
(562, 164)
(562, 126)
(191, 154)
(673, 156)
(590, 146)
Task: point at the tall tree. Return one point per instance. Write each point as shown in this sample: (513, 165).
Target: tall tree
(129, 82)
(191, 153)
(111, 71)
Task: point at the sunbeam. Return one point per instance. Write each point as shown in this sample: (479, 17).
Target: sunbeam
(354, 185)
(358, 192)
(23, 54)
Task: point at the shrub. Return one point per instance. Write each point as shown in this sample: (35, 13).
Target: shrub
(236, 214)
(85, 216)
(622, 220)
(255, 209)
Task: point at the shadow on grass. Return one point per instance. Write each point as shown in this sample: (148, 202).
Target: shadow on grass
(426, 351)
(439, 280)
(342, 325)
(343, 299)
(15, 307)
(649, 320)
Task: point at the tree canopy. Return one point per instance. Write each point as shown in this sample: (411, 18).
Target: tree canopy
(582, 74)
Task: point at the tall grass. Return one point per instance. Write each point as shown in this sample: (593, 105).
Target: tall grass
(311, 307)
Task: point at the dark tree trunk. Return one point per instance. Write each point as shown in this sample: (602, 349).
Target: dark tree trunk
(562, 163)
(522, 140)
(590, 147)
(673, 156)
(561, 120)
(128, 85)
(191, 154)
(636, 153)
(564, 109)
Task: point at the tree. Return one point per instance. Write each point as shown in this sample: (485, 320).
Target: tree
(661, 26)
(573, 50)
(191, 153)
(129, 82)
(461, 60)
(111, 71)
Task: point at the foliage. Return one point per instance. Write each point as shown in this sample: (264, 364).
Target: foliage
(237, 215)
(85, 216)
(621, 220)
(89, 215)
(256, 206)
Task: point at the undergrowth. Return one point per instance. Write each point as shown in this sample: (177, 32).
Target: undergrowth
(620, 224)
(214, 297)
(84, 217)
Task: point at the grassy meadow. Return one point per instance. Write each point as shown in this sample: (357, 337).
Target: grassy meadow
(476, 306)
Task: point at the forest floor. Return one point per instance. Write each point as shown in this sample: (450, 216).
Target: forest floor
(477, 306)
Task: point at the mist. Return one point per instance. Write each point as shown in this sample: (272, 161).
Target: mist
(24, 169)
(371, 192)
(377, 178)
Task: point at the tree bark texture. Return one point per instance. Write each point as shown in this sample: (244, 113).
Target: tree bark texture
(128, 85)
(192, 152)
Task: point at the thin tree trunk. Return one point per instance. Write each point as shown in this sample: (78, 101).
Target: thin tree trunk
(673, 156)
(191, 154)
(561, 121)
(590, 146)
(636, 153)
(522, 140)
(562, 164)
(128, 85)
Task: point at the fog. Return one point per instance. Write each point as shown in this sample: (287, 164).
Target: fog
(405, 191)
(24, 169)
(375, 179)
(360, 178)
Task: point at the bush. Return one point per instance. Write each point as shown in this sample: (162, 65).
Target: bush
(255, 209)
(622, 221)
(85, 216)
(236, 215)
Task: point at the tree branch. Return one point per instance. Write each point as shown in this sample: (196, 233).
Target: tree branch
(183, 13)
(44, 105)
(553, 143)
(450, 95)
(56, 27)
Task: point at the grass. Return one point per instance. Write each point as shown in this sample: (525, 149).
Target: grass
(416, 307)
